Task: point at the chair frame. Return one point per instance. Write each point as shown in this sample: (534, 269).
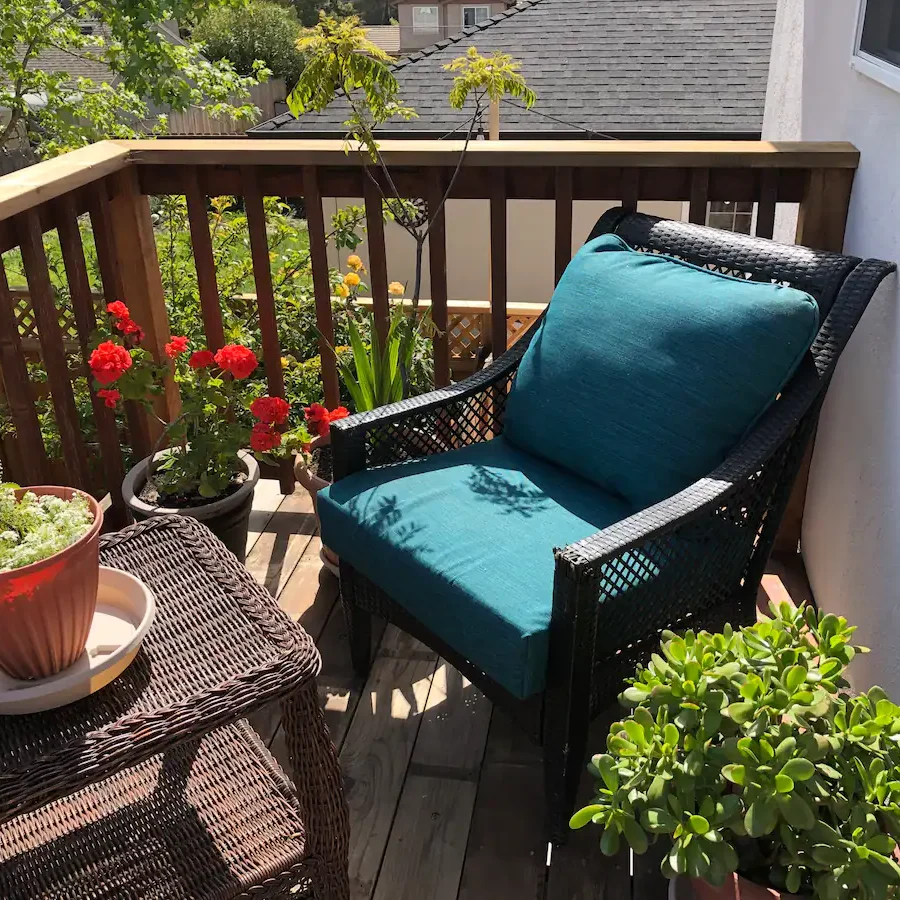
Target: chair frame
(708, 544)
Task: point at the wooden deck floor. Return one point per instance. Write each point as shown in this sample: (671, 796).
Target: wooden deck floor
(445, 795)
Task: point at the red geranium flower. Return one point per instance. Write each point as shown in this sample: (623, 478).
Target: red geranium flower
(176, 347)
(264, 437)
(237, 359)
(109, 361)
(201, 359)
(339, 412)
(129, 326)
(319, 419)
(110, 397)
(118, 309)
(271, 410)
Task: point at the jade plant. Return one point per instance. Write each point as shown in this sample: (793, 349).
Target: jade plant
(747, 752)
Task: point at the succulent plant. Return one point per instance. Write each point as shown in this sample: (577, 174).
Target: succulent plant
(747, 752)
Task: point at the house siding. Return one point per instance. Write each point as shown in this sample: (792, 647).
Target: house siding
(450, 22)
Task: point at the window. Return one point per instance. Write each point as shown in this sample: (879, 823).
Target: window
(730, 216)
(425, 18)
(473, 15)
(876, 52)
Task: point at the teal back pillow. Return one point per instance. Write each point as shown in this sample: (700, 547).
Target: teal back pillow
(647, 371)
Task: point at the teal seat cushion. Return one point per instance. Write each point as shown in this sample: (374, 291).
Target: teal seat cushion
(647, 371)
(464, 542)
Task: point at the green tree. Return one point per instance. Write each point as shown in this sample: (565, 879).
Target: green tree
(308, 10)
(148, 69)
(261, 30)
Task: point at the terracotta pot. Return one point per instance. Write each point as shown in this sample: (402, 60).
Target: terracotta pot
(228, 519)
(313, 484)
(46, 609)
(738, 888)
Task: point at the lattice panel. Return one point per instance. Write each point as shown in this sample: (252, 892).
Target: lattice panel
(465, 335)
(26, 321)
(516, 326)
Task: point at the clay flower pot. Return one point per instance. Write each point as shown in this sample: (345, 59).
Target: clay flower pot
(46, 608)
(738, 888)
(310, 479)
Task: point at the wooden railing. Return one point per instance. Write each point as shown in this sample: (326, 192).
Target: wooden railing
(111, 182)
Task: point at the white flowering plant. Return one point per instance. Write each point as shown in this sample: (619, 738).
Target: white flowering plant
(33, 528)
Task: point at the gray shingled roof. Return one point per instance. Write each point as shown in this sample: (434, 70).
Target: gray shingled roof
(683, 67)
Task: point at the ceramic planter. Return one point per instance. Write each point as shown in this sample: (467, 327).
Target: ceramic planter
(228, 519)
(46, 608)
(313, 483)
(738, 888)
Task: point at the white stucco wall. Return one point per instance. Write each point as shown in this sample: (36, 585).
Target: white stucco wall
(851, 526)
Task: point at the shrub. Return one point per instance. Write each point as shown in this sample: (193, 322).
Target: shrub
(747, 752)
(259, 31)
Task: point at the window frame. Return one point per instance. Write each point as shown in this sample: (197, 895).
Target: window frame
(427, 29)
(880, 70)
(476, 6)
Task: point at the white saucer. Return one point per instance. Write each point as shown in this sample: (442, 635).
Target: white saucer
(125, 611)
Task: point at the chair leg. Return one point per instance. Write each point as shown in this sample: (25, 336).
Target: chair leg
(565, 746)
(359, 631)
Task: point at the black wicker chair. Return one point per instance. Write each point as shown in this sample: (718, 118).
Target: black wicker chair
(711, 541)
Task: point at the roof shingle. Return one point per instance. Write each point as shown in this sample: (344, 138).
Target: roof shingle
(606, 66)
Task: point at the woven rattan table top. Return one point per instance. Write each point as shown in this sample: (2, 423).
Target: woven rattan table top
(219, 649)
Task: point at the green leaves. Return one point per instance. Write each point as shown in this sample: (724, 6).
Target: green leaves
(798, 769)
(494, 76)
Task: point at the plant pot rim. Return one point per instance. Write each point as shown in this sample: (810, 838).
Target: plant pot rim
(137, 477)
(772, 891)
(54, 489)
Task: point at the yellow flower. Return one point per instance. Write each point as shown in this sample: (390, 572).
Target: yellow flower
(354, 262)
(351, 279)
(343, 291)
(285, 362)
(396, 288)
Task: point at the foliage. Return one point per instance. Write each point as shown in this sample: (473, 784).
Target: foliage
(491, 77)
(746, 750)
(261, 30)
(34, 528)
(147, 68)
(212, 425)
(308, 11)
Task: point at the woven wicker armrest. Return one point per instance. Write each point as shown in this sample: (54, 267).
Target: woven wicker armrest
(441, 420)
(219, 649)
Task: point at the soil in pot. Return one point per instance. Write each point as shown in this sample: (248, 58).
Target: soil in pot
(46, 608)
(227, 516)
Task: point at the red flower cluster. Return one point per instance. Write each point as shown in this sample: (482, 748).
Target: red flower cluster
(264, 437)
(202, 359)
(176, 347)
(240, 361)
(319, 419)
(110, 396)
(124, 323)
(270, 410)
(109, 361)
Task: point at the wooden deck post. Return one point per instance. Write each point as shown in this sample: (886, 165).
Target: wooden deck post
(135, 247)
(820, 225)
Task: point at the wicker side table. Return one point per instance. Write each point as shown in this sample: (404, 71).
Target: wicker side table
(154, 787)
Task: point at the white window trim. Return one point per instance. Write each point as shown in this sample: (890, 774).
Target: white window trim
(485, 6)
(879, 70)
(427, 29)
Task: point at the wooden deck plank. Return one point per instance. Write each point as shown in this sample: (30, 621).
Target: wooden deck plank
(375, 756)
(425, 855)
(266, 499)
(506, 854)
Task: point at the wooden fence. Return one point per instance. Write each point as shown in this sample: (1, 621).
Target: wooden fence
(112, 181)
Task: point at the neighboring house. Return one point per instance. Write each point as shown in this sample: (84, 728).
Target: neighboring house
(423, 24)
(836, 76)
(387, 37)
(618, 68)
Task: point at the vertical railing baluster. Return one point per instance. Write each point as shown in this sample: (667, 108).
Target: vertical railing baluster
(318, 255)
(19, 393)
(699, 196)
(631, 188)
(768, 198)
(265, 297)
(437, 259)
(85, 323)
(53, 351)
(563, 228)
(377, 255)
(498, 263)
(201, 243)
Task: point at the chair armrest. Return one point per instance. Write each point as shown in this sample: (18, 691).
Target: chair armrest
(441, 420)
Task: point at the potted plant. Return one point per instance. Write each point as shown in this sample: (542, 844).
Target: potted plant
(204, 471)
(49, 573)
(747, 753)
